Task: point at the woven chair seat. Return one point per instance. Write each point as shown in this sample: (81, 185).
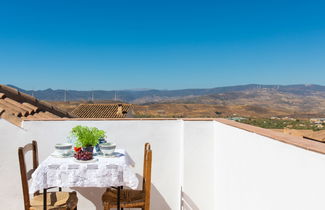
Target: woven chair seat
(55, 201)
(128, 198)
(132, 198)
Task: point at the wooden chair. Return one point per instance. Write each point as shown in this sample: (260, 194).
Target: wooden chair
(133, 198)
(55, 200)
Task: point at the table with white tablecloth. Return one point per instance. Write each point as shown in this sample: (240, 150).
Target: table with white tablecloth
(112, 171)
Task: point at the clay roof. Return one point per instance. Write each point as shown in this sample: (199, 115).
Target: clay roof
(102, 110)
(16, 106)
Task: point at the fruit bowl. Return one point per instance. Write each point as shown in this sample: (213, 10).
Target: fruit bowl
(83, 155)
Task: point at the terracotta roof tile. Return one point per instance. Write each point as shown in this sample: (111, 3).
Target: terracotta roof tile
(24, 109)
(11, 118)
(16, 106)
(12, 109)
(102, 110)
(1, 110)
(40, 115)
(34, 108)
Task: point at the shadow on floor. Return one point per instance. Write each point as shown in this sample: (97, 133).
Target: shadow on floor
(94, 195)
(157, 200)
(188, 203)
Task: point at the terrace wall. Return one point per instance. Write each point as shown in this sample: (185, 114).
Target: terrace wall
(11, 137)
(255, 172)
(164, 137)
(196, 164)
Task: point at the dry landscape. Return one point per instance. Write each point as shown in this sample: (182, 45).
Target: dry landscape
(186, 110)
(254, 103)
(258, 104)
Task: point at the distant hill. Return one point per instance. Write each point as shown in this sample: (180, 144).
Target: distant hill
(266, 102)
(298, 101)
(219, 95)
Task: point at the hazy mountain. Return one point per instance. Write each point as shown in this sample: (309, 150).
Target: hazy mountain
(304, 101)
(219, 95)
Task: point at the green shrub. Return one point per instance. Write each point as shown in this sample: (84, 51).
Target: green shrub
(87, 136)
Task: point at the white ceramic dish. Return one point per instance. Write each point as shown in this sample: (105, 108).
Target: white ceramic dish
(107, 148)
(59, 155)
(63, 149)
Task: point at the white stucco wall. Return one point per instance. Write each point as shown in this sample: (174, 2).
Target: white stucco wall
(11, 137)
(199, 168)
(215, 165)
(255, 173)
(132, 135)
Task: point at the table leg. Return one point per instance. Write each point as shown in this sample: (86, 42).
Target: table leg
(44, 199)
(122, 189)
(118, 198)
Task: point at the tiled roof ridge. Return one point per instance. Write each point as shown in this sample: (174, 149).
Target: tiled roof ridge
(116, 110)
(117, 104)
(16, 94)
(123, 104)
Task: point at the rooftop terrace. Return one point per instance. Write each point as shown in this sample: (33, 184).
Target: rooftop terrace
(197, 163)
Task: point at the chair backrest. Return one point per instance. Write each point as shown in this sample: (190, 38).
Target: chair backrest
(26, 175)
(147, 173)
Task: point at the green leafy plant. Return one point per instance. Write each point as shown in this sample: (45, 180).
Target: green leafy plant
(87, 136)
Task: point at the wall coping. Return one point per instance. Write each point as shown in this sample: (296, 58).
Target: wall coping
(282, 137)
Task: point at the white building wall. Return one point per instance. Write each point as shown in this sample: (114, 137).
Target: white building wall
(258, 173)
(11, 137)
(217, 166)
(164, 137)
(199, 173)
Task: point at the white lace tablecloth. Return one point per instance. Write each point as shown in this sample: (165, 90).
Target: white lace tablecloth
(66, 172)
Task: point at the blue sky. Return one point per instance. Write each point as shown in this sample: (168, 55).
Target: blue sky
(125, 44)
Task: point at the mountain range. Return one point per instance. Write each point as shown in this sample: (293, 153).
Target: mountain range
(253, 100)
(219, 95)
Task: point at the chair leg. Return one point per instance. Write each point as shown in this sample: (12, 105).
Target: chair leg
(146, 207)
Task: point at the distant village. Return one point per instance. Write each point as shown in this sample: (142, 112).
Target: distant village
(312, 129)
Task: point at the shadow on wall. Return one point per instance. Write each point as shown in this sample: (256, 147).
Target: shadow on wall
(94, 195)
(188, 203)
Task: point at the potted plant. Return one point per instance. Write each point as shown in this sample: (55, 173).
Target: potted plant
(86, 138)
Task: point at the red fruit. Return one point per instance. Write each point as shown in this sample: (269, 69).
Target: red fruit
(77, 149)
